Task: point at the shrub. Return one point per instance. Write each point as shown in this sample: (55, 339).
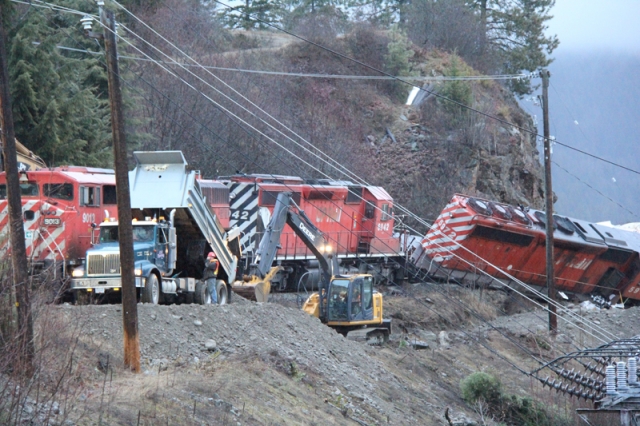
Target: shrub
(485, 391)
(481, 386)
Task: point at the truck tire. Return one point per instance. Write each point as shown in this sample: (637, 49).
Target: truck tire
(221, 288)
(151, 290)
(201, 295)
(82, 297)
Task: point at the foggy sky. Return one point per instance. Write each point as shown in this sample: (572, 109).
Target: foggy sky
(590, 25)
(594, 102)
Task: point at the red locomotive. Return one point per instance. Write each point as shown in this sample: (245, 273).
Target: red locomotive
(59, 206)
(476, 239)
(357, 220)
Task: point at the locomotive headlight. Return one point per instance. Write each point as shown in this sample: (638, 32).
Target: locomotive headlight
(78, 272)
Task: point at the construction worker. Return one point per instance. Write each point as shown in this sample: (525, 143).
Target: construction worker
(211, 274)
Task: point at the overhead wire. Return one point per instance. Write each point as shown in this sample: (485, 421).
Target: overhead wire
(246, 123)
(499, 355)
(584, 182)
(437, 95)
(311, 75)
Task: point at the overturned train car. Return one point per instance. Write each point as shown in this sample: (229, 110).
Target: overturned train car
(475, 240)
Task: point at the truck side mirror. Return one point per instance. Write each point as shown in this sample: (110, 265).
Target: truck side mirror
(93, 236)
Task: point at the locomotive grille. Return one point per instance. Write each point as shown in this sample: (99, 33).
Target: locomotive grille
(99, 264)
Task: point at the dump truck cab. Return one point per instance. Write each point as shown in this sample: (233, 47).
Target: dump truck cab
(152, 250)
(168, 252)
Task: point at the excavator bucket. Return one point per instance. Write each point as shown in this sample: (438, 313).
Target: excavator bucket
(254, 288)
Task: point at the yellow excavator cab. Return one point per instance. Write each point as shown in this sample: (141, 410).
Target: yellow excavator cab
(352, 307)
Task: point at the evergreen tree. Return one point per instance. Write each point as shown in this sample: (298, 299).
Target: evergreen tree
(253, 14)
(397, 63)
(60, 104)
(514, 30)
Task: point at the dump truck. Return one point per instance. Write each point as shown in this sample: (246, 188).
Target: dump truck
(173, 228)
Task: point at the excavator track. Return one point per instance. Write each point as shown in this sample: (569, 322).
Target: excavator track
(371, 336)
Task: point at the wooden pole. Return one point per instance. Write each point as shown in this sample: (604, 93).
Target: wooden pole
(125, 232)
(19, 265)
(548, 193)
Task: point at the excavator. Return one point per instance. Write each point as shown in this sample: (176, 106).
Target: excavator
(27, 160)
(347, 303)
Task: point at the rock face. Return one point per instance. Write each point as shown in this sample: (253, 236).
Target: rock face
(478, 156)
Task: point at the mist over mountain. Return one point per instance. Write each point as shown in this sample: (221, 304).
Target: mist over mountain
(594, 106)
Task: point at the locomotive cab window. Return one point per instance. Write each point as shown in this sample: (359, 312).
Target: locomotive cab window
(268, 198)
(369, 210)
(386, 212)
(29, 189)
(109, 194)
(61, 191)
(89, 196)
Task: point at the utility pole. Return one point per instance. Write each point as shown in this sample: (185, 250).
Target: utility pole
(548, 195)
(19, 267)
(125, 232)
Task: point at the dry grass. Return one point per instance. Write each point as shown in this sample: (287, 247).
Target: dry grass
(439, 307)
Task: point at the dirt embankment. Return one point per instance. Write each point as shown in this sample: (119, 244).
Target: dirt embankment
(261, 364)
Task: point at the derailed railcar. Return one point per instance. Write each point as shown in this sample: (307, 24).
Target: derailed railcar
(476, 240)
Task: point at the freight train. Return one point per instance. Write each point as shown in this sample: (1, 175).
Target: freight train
(473, 240)
(477, 240)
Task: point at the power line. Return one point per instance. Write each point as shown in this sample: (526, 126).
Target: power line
(307, 75)
(209, 98)
(596, 190)
(402, 80)
(273, 141)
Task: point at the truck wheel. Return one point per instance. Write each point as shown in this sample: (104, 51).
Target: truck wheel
(151, 290)
(221, 288)
(82, 297)
(201, 295)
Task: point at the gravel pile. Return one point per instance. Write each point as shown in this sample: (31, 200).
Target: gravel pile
(176, 335)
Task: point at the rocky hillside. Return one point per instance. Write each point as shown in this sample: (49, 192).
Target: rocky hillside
(421, 154)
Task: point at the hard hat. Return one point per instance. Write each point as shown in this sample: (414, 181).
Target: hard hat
(211, 255)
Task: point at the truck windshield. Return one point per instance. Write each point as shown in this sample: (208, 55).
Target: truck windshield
(108, 234)
(142, 233)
